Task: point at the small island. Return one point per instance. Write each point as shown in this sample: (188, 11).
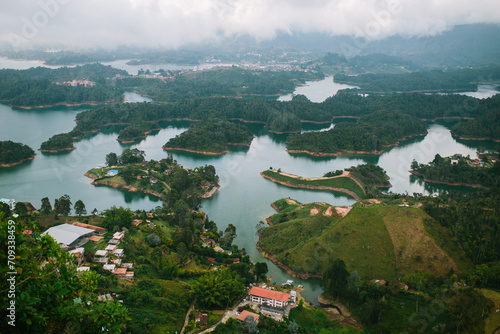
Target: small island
(371, 134)
(212, 136)
(457, 170)
(164, 179)
(58, 143)
(12, 154)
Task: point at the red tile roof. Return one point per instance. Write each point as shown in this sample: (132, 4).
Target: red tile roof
(270, 294)
(243, 316)
(120, 271)
(92, 227)
(95, 238)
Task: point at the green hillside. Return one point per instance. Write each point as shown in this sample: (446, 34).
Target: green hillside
(379, 241)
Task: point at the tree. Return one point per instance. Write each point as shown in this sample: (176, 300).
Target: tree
(131, 156)
(335, 278)
(117, 218)
(127, 174)
(251, 325)
(218, 289)
(111, 159)
(21, 208)
(80, 208)
(62, 205)
(260, 270)
(51, 297)
(229, 235)
(46, 207)
(153, 240)
(5, 209)
(293, 328)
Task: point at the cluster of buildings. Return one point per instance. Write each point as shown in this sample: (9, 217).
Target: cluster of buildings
(73, 236)
(272, 303)
(77, 83)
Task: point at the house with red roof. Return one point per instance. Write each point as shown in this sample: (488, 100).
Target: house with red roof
(269, 297)
(245, 314)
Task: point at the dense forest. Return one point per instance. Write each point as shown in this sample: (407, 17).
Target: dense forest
(485, 126)
(42, 86)
(11, 153)
(282, 116)
(222, 82)
(443, 170)
(212, 135)
(371, 133)
(435, 80)
(370, 175)
(59, 142)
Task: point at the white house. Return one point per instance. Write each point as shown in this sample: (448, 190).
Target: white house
(269, 297)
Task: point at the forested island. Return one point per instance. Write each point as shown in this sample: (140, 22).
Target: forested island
(460, 171)
(224, 82)
(371, 134)
(141, 118)
(43, 87)
(484, 127)
(425, 81)
(211, 136)
(12, 154)
(58, 143)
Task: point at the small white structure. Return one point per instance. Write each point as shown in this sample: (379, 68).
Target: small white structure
(110, 248)
(110, 267)
(293, 296)
(118, 252)
(118, 235)
(10, 202)
(66, 234)
(101, 252)
(82, 269)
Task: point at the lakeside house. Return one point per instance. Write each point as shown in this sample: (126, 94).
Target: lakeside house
(272, 303)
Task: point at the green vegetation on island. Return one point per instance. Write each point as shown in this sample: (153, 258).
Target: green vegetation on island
(165, 179)
(371, 134)
(425, 81)
(340, 183)
(225, 82)
(486, 126)
(458, 170)
(282, 116)
(44, 87)
(12, 154)
(211, 136)
(58, 143)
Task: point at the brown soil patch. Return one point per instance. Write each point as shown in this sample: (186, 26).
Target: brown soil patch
(314, 211)
(328, 212)
(413, 248)
(342, 212)
(374, 201)
(290, 201)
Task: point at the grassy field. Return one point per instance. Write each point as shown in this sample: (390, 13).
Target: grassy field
(380, 241)
(493, 321)
(338, 182)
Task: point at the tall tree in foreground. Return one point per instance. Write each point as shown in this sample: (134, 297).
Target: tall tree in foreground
(80, 208)
(218, 289)
(50, 295)
(46, 206)
(62, 205)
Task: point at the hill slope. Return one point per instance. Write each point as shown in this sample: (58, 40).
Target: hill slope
(380, 241)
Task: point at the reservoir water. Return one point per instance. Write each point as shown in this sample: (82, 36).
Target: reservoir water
(244, 197)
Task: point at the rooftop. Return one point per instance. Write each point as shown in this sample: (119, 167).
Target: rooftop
(243, 316)
(270, 294)
(67, 234)
(92, 227)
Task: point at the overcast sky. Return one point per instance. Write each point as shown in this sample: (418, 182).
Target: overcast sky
(174, 23)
